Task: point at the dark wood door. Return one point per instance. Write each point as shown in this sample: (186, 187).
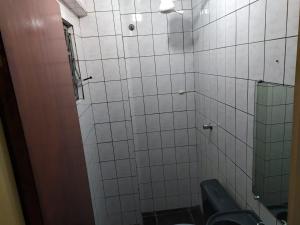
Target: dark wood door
(17, 146)
(33, 37)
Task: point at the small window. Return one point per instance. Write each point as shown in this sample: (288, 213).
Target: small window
(73, 60)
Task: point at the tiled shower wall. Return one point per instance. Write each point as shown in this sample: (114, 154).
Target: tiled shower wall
(139, 131)
(238, 42)
(138, 125)
(159, 66)
(87, 124)
(115, 183)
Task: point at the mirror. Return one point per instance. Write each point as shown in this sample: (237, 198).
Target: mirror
(272, 146)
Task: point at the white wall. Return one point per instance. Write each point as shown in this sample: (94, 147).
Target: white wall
(139, 134)
(237, 43)
(86, 119)
(145, 129)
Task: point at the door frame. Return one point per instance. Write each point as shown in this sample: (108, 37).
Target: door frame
(294, 183)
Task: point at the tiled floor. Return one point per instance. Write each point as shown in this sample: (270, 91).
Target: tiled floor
(172, 217)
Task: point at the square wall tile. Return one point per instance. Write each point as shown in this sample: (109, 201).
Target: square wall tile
(257, 21)
(111, 188)
(180, 120)
(290, 61)
(108, 170)
(166, 121)
(159, 22)
(118, 130)
(144, 24)
(241, 94)
(103, 19)
(151, 104)
(146, 45)
(276, 19)
(176, 43)
(177, 63)
(230, 61)
(123, 168)
(241, 125)
(143, 6)
(114, 90)
(179, 102)
(152, 123)
(116, 111)
(230, 120)
(242, 61)
(103, 5)
(242, 25)
(100, 113)
(91, 48)
(106, 152)
(181, 137)
(135, 87)
(256, 61)
(161, 45)
(147, 66)
(131, 47)
(162, 64)
(137, 106)
(133, 67)
(274, 60)
(127, 7)
(167, 139)
(230, 91)
(293, 17)
(169, 156)
(164, 84)
(98, 94)
(111, 69)
(149, 85)
(88, 25)
(108, 47)
(121, 150)
(154, 140)
(178, 83)
(174, 23)
(165, 103)
(95, 69)
(139, 124)
(230, 28)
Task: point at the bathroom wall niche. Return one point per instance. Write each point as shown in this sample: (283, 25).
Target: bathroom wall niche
(272, 145)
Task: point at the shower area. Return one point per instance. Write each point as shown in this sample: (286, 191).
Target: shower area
(153, 77)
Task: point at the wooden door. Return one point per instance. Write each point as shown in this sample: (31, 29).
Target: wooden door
(35, 46)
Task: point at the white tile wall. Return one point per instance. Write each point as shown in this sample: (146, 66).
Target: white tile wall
(89, 113)
(149, 66)
(144, 145)
(255, 42)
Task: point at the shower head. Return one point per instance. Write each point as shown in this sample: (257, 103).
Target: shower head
(168, 6)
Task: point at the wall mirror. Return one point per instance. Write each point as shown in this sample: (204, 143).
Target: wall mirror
(272, 146)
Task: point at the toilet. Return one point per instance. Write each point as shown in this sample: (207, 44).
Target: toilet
(215, 199)
(218, 206)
